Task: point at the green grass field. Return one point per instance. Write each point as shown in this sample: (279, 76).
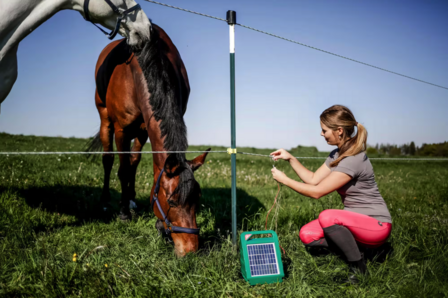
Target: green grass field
(49, 210)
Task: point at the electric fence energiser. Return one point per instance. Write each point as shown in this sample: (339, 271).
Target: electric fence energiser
(261, 260)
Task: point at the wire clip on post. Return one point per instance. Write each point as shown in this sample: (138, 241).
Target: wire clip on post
(231, 150)
(231, 17)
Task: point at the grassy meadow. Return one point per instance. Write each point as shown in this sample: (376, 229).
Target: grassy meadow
(49, 211)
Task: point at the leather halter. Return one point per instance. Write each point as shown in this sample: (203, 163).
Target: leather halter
(122, 15)
(174, 229)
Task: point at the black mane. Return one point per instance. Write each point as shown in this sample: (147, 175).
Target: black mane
(164, 87)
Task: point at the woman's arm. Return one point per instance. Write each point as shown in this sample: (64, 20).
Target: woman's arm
(331, 183)
(308, 176)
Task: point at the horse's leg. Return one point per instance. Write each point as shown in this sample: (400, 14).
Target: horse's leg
(106, 136)
(139, 142)
(8, 73)
(124, 144)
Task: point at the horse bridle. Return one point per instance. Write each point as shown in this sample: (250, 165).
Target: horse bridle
(170, 227)
(122, 15)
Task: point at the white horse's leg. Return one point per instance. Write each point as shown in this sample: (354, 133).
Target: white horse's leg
(8, 73)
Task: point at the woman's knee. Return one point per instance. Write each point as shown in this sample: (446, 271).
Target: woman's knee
(304, 235)
(311, 232)
(327, 218)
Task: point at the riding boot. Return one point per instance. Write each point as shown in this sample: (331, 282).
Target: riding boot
(344, 240)
(358, 268)
(318, 247)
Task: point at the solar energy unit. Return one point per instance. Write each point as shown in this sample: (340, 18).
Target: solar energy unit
(261, 258)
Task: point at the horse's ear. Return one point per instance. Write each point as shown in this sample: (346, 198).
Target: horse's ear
(198, 161)
(172, 164)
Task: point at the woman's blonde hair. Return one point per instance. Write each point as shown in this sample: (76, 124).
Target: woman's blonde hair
(341, 116)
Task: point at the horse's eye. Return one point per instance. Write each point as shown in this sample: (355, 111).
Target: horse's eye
(172, 203)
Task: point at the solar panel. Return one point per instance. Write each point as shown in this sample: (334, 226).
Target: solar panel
(262, 259)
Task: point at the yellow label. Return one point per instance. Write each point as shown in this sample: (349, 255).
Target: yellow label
(231, 150)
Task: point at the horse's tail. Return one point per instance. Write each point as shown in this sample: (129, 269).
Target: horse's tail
(94, 145)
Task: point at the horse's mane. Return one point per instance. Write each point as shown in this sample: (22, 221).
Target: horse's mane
(164, 87)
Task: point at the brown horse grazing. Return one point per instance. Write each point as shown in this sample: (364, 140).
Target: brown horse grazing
(141, 95)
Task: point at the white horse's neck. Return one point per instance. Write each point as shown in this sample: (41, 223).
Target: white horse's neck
(20, 18)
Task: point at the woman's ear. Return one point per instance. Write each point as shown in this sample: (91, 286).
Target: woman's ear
(340, 131)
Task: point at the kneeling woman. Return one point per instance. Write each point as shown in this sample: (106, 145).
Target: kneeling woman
(365, 219)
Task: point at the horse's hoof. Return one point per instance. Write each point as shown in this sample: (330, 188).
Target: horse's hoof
(125, 216)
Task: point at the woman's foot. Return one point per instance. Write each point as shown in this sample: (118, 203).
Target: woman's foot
(358, 269)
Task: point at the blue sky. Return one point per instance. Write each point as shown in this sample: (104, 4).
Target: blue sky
(281, 88)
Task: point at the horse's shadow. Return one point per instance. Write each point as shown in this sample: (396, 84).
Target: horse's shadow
(80, 201)
(218, 202)
(84, 203)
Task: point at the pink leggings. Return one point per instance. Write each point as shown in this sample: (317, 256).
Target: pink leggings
(366, 230)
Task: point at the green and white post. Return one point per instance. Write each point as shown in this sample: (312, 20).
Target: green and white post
(231, 20)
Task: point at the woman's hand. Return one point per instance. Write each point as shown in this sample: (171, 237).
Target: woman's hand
(279, 176)
(281, 154)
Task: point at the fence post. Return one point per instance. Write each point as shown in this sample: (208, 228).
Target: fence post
(231, 20)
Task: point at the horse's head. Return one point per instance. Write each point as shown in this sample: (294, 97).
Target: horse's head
(179, 195)
(131, 19)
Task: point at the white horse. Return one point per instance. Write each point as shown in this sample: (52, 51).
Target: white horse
(18, 18)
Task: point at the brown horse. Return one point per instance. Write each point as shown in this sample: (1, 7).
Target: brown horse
(146, 94)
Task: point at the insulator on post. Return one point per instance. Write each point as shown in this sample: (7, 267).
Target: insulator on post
(231, 17)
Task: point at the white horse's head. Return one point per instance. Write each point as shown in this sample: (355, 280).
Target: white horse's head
(135, 25)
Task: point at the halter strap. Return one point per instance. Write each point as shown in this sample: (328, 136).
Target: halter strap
(113, 33)
(174, 229)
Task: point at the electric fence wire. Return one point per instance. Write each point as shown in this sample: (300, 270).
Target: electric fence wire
(195, 151)
(100, 152)
(186, 10)
(299, 43)
(373, 158)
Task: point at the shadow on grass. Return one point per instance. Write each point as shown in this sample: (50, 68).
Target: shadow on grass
(378, 255)
(80, 201)
(84, 203)
(219, 202)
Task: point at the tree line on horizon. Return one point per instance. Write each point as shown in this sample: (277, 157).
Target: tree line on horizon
(437, 149)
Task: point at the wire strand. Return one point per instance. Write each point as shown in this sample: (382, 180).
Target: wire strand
(267, 216)
(102, 152)
(377, 158)
(187, 10)
(299, 43)
(340, 56)
(197, 151)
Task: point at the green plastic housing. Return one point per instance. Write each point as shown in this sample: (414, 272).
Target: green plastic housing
(247, 240)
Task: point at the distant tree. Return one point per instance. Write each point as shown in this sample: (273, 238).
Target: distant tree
(405, 149)
(412, 148)
(440, 149)
(394, 150)
(371, 151)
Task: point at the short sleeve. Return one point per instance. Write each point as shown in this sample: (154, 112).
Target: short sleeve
(328, 161)
(331, 158)
(348, 166)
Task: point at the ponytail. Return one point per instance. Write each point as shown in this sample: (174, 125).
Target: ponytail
(352, 146)
(340, 116)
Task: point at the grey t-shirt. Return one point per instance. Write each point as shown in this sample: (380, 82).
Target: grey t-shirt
(361, 194)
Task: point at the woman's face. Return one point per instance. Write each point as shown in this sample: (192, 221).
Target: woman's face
(333, 137)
